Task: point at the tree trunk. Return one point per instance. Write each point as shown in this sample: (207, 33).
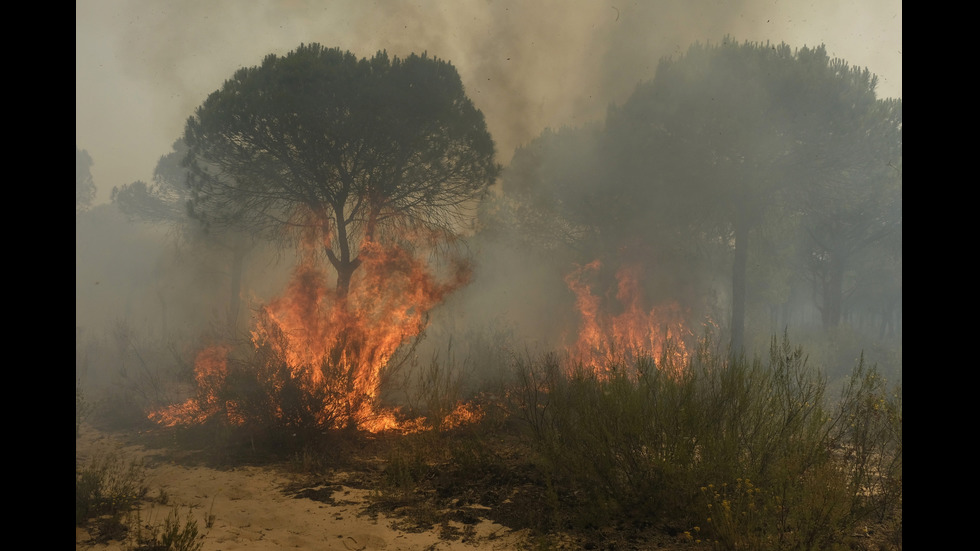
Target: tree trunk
(833, 295)
(163, 311)
(739, 276)
(345, 271)
(237, 268)
(344, 264)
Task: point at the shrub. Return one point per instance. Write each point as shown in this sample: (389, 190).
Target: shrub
(107, 485)
(755, 446)
(869, 441)
(173, 534)
(82, 407)
(180, 537)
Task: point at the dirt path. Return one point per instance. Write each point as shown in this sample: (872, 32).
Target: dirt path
(252, 511)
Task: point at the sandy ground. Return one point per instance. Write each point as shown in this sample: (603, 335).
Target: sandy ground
(253, 511)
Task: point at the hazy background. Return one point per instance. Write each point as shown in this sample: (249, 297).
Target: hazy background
(143, 66)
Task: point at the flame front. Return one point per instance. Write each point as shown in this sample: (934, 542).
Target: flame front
(210, 373)
(332, 346)
(606, 339)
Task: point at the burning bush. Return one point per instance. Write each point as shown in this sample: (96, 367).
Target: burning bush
(265, 392)
(319, 357)
(623, 328)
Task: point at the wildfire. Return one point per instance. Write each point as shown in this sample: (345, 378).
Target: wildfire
(328, 347)
(210, 372)
(606, 339)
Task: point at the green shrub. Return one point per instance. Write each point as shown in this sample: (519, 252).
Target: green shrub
(180, 536)
(107, 485)
(617, 436)
(82, 407)
(739, 515)
(869, 440)
(407, 464)
(755, 446)
(174, 534)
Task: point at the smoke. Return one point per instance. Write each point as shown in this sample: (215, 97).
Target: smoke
(143, 66)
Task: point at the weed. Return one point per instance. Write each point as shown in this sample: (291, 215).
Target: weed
(107, 485)
(174, 534)
(180, 535)
(82, 407)
(406, 467)
(210, 518)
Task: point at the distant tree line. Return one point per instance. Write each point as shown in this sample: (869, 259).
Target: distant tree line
(775, 170)
(781, 165)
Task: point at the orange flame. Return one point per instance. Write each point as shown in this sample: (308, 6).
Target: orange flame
(606, 340)
(328, 335)
(334, 346)
(210, 371)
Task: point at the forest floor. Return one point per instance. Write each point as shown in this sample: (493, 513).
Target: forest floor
(249, 505)
(372, 495)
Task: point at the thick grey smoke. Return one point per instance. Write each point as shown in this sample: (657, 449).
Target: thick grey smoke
(141, 67)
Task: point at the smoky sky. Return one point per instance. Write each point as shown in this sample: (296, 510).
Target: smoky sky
(143, 66)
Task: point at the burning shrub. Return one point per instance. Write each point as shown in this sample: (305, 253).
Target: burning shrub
(122, 375)
(636, 332)
(265, 396)
(319, 356)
